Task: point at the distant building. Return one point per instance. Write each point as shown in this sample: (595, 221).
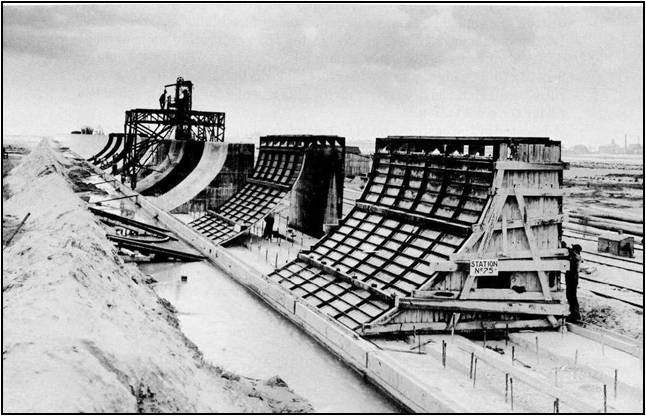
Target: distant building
(356, 163)
(635, 149)
(611, 148)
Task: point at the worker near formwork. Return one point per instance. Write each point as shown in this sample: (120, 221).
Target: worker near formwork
(269, 226)
(572, 281)
(162, 99)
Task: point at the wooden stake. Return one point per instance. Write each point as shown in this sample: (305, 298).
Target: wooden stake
(475, 370)
(605, 399)
(513, 354)
(615, 387)
(506, 334)
(443, 353)
(471, 367)
(506, 386)
(576, 357)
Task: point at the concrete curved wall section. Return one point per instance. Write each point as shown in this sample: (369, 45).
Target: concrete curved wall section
(117, 145)
(107, 146)
(190, 158)
(164, 168)
(300, 168)
(423, 198)
(211, 163)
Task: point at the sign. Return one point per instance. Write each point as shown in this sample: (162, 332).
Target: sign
(483, 267)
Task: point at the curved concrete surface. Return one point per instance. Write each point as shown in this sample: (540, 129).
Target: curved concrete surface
(102, 151)
(191, 156)
(115, 147)
(210, 165)
(163, 169)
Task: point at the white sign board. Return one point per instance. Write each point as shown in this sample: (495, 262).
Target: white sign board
(483, 267)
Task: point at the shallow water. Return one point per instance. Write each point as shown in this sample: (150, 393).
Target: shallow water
(235, 329)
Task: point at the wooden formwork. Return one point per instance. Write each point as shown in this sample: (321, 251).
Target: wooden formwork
(400, 261)
(519, 232)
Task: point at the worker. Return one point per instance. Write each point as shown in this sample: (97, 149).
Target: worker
(162, 99)
(572, 281)
(269, 226)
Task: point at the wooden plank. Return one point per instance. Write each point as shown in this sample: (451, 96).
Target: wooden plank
(517, 165)
(504, 265)
(528, 377)
(496, 211)
(542, 277)
(521, 254)
(503, 226)
(497, 306)
(547, 192)
(532, 222)
(408, 327)
(615, 341)
(487, 294)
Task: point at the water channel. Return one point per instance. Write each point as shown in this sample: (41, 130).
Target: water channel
(237, 330)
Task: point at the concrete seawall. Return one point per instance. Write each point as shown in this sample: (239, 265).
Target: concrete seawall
(381, 370)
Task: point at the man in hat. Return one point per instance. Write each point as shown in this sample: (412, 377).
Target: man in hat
(572, 281)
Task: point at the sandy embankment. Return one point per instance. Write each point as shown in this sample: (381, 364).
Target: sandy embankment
(83, 333)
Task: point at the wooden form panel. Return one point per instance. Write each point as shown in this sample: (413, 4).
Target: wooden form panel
(350, 305)
(280, 163)
(385, 252)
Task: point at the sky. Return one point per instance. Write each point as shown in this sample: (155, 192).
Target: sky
(573, 73)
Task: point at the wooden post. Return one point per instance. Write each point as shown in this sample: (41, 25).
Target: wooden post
(615, 382)
(471, 367)
(475, 370)
(276, 261)
(506, 386)
(605, 399)
(506, 334)
(444, 354)
(576, 357)
(513, 354)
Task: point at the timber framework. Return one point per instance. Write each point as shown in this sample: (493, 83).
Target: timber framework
(450, 234)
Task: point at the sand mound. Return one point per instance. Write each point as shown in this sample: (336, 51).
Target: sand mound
(82, 332)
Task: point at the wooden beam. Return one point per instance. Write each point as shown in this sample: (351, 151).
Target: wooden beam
(536, 192)
(487, 294)
(504, 265)
(517, 165)
(528, 377)
(497, 306)
(378, 293)
(616, 341)
(503, 227)
(402, 328)
(532, 222)
(520, 254)
(436, 223)
(269, 184)
(542, 277)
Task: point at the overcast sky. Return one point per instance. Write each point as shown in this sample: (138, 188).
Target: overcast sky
(360, 71)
